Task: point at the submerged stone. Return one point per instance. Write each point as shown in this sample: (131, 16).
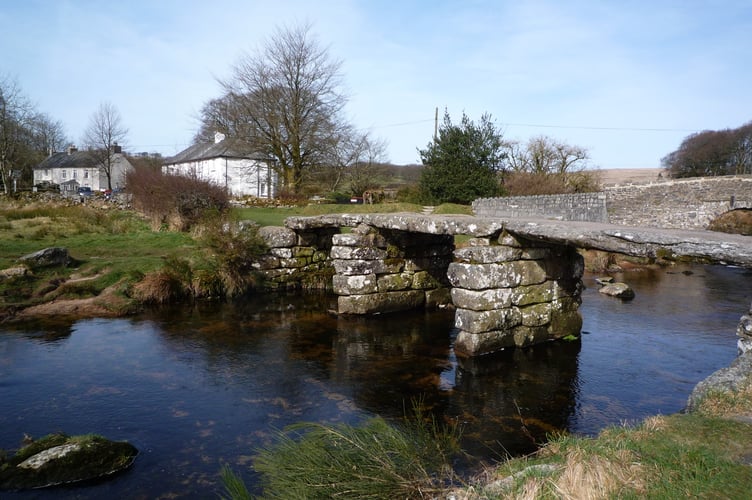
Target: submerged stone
(618, 289)
(60, 459)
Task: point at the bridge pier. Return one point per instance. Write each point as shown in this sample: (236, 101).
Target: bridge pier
(514, 292)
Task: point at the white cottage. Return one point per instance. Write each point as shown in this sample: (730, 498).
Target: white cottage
(225, 165)
(73, 169)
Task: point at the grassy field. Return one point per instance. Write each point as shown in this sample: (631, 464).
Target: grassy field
(276, 216)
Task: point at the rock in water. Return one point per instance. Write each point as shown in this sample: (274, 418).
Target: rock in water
(60, 459)
(618, 289)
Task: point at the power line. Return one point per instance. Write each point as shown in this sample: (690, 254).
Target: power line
(543, 125)
(585, 127)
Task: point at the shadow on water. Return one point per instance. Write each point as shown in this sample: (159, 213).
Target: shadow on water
(198, 387)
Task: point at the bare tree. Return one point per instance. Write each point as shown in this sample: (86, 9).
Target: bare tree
(363, 172)
(221, 115)
(285, 102)
(546, 166)
(16, 112)
(104, 137)
(544, 155)
(49, 134)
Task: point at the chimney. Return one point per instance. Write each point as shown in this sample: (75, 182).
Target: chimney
(116, 148)
(218, 137)
(72, 149)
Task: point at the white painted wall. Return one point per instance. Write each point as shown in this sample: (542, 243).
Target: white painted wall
(94, 178)
(241, 177)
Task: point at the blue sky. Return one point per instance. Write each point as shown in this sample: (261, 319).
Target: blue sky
(628, 80)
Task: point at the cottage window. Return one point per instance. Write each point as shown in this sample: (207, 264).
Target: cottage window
(64, 174)
(75, 174)
(86, 174)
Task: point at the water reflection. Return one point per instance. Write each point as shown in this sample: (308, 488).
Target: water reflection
(198, 387)
(516, 398)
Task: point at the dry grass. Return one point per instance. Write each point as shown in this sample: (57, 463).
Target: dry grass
(587, 476)
(158, 287)
(728, 404)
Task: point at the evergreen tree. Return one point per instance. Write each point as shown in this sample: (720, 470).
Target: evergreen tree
(462, 163)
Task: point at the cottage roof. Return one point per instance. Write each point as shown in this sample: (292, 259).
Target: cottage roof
(74, 159)
(205, 151)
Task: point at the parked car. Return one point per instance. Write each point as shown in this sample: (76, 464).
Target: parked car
(85, 191)
(47, 186)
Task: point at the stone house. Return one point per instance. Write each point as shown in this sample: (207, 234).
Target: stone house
(225, 164)
(72, 169)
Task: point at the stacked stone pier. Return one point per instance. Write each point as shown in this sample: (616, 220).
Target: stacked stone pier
(512, 292)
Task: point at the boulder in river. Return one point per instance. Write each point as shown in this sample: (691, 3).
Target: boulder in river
(60, 459)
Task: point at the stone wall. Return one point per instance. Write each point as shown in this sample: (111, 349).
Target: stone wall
(675, 204)
(390, 270)
(514, 292)
(576, 207)
(678, 204)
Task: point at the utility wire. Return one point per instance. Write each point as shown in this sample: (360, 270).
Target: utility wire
(541, 125)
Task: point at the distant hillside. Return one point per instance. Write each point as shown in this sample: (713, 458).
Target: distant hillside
(618, 176)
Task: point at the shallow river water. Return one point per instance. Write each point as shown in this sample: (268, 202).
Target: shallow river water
(195, 388)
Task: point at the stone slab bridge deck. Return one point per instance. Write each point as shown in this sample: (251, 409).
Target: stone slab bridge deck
(517, 282)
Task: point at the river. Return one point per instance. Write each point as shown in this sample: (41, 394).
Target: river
(198, 387)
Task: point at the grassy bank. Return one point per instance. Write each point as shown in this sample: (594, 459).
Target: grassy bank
(107, 247)
(706, 454)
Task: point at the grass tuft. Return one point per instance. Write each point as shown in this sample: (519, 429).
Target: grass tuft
(373, 460)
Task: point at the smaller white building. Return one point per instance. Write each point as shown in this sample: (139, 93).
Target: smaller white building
(73, 169)
(224, 164)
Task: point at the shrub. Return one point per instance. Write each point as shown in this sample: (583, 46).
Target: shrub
(176, 201)
(232, 248)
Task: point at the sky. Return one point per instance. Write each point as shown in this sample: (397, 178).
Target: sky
(626, 79)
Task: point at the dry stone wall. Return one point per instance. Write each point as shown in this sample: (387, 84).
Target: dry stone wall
(296, 259)
(590, 207)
